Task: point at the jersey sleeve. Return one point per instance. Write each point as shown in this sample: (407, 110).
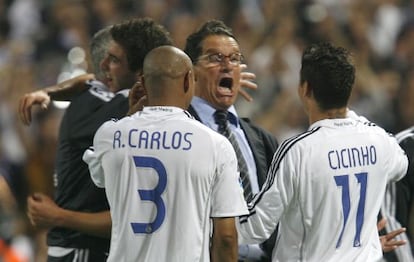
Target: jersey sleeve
(93, 155)
(398, 161)
(227, 192)
(407, 145)
(269, 204)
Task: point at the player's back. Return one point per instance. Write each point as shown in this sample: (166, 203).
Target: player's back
(339, 171)
(163, 185)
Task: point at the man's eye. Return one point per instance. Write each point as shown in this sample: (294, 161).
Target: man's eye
(235, 58)
(215, 58)
(114, 59)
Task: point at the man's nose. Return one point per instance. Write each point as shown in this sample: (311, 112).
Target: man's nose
(104, 64)
(226, 66)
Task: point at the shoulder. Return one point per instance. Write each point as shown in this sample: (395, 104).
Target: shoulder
(310, 136)
(405, 135)
(406, 140)
(99, 90)
(209, 137)
(108, 127)
(200, 127)
(247, 122)
(251, 128)
(96, 93)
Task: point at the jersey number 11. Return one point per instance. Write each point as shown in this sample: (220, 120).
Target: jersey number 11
(343, 181)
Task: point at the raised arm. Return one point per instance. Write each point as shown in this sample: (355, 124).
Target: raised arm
(63, 91)
(43, 212)
(224, 241)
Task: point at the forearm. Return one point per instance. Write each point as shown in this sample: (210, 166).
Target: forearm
(224, 250)
(96, 224)
(224, 240)
(65, 90)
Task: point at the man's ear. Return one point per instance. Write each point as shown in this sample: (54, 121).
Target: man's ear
(308, 92)
(187, 78)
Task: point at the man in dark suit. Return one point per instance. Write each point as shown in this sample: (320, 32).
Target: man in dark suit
(217, 61)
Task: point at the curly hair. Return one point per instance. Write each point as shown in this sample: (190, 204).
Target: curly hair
(193, 46)
(329, 73)
(137, 37)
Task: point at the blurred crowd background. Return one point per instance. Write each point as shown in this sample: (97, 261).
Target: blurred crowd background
(43, 42)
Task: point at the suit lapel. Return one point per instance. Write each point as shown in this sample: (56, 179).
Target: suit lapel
(258, 150)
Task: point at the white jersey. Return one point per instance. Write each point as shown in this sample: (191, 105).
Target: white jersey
(325, 186)
(166, 175)
(389, 204)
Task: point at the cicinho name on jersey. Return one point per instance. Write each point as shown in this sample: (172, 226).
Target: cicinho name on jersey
(352, 157)
(144, 139)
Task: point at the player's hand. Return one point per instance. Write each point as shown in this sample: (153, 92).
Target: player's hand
(42, 211)
(137, 98)
(246, 81)
(28, 100)
(388, 243)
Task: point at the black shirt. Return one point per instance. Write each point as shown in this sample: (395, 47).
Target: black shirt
(74, 189)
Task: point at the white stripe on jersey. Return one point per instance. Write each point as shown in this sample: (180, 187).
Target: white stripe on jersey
(274, 166)
(389, 209)
(405, 134)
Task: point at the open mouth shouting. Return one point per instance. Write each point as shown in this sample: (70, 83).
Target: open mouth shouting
(225, 86)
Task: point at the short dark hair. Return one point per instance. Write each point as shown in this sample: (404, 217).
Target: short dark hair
(137, 37)
(329, 73)
(193, 46)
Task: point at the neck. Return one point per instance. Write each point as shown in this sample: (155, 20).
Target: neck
(317, 115)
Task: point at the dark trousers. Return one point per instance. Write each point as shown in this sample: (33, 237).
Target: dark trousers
(80, 255)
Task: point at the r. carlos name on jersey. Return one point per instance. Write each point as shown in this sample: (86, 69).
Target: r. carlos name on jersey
(134, 138)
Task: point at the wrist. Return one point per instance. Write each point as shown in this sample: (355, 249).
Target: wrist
(61, 217)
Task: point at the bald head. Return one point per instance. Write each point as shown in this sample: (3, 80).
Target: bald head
(166, 61)
(167, 75)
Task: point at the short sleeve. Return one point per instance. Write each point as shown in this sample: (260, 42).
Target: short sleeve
(227, 193)
(93, 155)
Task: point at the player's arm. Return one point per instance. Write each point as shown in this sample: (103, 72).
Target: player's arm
(224, 240)
(43, 212)
(63, 91)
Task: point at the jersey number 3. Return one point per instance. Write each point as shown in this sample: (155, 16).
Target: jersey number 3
(343, 181)
(153, 195)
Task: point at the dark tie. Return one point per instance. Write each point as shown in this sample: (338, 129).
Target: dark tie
(223, 128)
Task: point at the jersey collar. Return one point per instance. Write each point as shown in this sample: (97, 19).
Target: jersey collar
(334, 123)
